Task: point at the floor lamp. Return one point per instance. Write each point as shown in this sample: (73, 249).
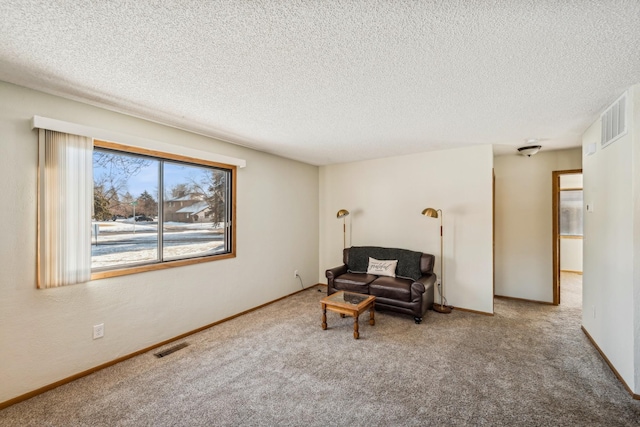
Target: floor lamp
(343, 213)
(440, 308)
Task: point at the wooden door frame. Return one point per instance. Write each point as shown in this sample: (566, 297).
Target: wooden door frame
(555, 181)
(493, 232)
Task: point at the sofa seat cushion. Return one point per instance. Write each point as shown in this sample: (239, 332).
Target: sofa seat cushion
(391, 287)
(354, 282)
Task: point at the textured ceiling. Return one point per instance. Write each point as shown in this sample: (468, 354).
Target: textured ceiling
(335, 81)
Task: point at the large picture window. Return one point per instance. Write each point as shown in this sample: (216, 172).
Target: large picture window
(151, 208)
(107, 209)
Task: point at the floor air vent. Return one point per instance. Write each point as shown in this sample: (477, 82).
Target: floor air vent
(614, 121)
(170, 350)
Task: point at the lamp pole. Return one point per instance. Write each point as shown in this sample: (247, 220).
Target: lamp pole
(343, 213)
(437, 213)
(441, 261)
(344, 232)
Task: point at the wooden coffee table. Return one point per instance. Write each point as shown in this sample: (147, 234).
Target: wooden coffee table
(349, 304)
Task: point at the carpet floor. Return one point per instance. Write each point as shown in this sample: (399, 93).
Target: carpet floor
(529, 365)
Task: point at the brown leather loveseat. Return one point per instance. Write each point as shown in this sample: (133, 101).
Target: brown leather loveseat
(410, 292)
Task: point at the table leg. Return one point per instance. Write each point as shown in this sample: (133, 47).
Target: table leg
(324, 316)
(372, 320)
(356, 335)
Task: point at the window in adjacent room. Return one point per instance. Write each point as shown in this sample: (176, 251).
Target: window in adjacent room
(571, 213)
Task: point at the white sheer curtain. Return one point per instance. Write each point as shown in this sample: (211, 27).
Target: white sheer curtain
(66, 187)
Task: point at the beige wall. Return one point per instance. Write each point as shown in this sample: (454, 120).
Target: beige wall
(46, 335)
(386, 198)
(570, 254)
(611, 280)
(524, 262)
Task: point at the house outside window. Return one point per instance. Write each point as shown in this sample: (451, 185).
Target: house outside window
(149, 209)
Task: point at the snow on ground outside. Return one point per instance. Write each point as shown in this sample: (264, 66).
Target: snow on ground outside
(150, 254)
(118, 243)
(129, 225)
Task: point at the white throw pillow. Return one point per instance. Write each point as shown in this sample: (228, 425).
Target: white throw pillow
(382, 267)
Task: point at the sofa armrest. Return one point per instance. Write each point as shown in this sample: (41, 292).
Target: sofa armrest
(422, 285)
(332, 273)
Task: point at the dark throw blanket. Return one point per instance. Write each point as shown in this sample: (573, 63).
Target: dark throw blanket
(408, 261)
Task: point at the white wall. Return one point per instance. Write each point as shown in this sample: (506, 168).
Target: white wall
(524, 222)
(570, 254)
(571, 181)
(46, 335)
(611, 256)
(386, 198)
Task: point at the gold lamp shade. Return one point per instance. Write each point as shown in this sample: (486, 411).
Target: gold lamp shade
(342, 213)
(430, 212)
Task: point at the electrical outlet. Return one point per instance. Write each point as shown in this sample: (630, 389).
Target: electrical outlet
(295, 274)
(98, 331)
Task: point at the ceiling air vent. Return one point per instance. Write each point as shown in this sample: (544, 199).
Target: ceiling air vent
(614, 121)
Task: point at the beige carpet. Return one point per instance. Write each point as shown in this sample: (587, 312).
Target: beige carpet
(530, 364)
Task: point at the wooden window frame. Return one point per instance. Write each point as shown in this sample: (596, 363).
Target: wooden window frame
(161, 265)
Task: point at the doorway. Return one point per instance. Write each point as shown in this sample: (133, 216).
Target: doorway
(567, 229)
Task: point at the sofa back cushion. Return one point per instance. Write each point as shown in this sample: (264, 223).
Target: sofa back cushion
(410, 263)
(426, 263)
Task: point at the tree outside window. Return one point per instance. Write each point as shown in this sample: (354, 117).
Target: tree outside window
(188, 217)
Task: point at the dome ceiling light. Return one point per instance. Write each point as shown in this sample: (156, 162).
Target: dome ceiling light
(530, 149)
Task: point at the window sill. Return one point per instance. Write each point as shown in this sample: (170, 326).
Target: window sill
(157, 266)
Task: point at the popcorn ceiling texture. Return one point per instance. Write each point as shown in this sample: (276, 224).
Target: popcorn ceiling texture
(335, 81)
